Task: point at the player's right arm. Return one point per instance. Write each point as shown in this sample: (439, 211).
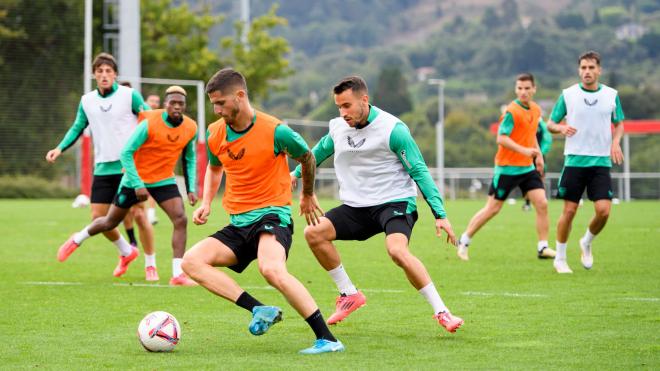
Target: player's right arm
(75, 131)
(212, 179)
(558, 114)
(504, 139)
(135, 141)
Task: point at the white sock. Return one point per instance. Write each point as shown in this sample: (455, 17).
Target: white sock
(151, 213)
(588, 237)
(465, 239)
(150, 260)
(433, 297)
(176, 267)
(541, 245)
(342, 281)
(81, 236)
(561, 251)
(124, 247)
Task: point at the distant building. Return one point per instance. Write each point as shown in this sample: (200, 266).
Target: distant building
(630, 31)
(423, 73)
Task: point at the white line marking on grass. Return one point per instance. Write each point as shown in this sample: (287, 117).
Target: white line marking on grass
(508, 294)
(383, 291)
(141, 284)
(43, 283)
(642, 299)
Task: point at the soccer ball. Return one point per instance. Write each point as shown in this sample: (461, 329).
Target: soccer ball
(159, 332)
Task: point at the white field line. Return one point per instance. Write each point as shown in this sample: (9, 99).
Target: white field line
(386, 291)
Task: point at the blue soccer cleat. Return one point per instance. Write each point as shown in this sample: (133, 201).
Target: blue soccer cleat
(324, 346)
(263, 317)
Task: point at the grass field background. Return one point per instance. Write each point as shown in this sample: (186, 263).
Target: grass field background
(518, 313)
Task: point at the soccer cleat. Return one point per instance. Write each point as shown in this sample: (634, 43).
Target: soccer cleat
(151, 273)
(585, 256)
(324, 346)
(561, 266)
(182, 280)
(124, 261)
(263, 317)
(345, 305)
(67, 249)
(526, 207)
(462, 251)
(546, 253)
(448, 321)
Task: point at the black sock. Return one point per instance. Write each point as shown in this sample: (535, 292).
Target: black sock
(317, 323)
(527, 202)
(131, 236)
(247, 302)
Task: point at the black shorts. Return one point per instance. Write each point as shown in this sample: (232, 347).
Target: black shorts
(503, 184)
(126, 197)
(104, 188)
(244, 241)
(361, 223)
(596, 179)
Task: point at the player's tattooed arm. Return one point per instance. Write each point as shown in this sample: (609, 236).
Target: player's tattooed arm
(308, 164)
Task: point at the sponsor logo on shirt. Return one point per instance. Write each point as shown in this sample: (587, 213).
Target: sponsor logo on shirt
(103, 109)
(353, 144)
(268, 227)
(592, 103)
(172, 139)
(397, 213)
(404, 158)
(236, 156)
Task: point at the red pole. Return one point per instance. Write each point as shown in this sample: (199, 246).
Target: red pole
(86, 165)
(201, 167)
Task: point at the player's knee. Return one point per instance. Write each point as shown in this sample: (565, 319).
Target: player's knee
(399, 256)
(494, 209)
(180, 221)
(541, 206)
(273, 274)
(602, 212)
(191, 264)
(313, 235)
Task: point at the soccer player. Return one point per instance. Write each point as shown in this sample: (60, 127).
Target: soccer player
(377, 164)
(153, 100)
(544, 138)
(589, 108)
(518, 163)
(110, 112)
(251, 148)
(149, 158)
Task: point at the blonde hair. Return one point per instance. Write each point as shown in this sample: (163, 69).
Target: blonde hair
(175, 89)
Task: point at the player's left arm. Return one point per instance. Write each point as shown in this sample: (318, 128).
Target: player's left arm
(405, 148)
(190, 170)
(137, 103)
(135, 141)
(290, 142)
(617, 120)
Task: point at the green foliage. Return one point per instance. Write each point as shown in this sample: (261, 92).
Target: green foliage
(570, 19)
(32, 187)
(613, 15)
(640, 103)
(391, 93)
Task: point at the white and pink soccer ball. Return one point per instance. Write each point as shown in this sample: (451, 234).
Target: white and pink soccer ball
(159, 332)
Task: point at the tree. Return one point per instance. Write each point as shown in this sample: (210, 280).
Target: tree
(392, 91)
(572, 20)
(490, 18)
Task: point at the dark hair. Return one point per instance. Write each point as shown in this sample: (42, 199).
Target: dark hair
(104, 58)
(526, 77)
(225, 79)
(126, 84)
(355, 83)
(590, 55)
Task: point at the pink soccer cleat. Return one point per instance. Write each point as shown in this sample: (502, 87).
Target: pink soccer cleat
(124, 261)
(448, 321)
(67, 249)
(345, 305)
(151, 274)
(182, 280)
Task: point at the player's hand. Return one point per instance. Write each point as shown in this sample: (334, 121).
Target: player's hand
(192, 198)
(201, 215)
(540, 164)
(617, 154)
(294, 181)
(444, 224)
(53, 154)
(142, 194)
(532, 152)
(310, 208)
(567, 130)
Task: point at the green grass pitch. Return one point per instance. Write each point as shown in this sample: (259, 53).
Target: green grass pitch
(518, 313)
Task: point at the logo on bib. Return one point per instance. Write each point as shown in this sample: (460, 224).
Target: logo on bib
(172, 139)
(103, 109)
(236, 156)
(353, 144)
(590, 104)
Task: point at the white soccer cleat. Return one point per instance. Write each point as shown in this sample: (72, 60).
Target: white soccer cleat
(462, 251)
(586, 256)
(561, 266)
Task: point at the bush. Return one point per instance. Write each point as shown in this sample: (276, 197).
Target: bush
(25, 186)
